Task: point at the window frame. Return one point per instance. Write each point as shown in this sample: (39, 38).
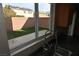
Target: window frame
(36, 16)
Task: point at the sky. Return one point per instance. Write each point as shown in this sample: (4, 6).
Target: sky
(42, 6)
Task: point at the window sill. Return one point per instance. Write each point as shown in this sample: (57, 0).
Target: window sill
(19, 44)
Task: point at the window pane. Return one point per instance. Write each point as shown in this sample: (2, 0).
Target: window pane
(44, 10)
(20, 24)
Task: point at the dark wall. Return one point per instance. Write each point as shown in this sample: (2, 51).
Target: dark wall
(64, 14)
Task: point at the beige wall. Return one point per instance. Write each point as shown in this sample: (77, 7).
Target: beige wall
(16, 23)
(43, 22)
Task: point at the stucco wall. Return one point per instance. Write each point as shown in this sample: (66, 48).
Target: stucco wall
(43, 22)
(16, 23)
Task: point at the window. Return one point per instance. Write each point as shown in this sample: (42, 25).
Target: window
(44, 8)
(21, 32)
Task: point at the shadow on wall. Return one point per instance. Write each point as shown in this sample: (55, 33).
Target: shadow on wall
(22, 22)
(43, 22)
(17, 23)
(29, 23)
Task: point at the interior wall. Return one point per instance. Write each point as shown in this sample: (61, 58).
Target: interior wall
(64, 13)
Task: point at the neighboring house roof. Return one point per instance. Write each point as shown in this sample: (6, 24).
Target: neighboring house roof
(20, 8)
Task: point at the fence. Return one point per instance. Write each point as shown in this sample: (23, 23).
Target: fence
(16, 23)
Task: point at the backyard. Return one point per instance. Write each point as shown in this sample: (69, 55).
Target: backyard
(14, 34)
